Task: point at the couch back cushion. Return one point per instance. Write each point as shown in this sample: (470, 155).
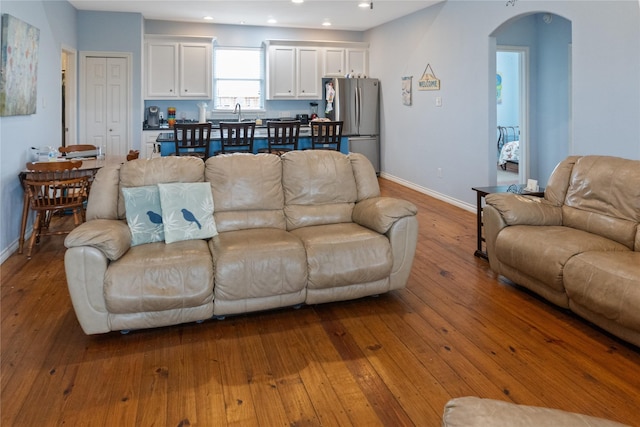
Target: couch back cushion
(160, 170)
(603, 197)
(247, 191)
(106, 200)
(319, 188)
(365, 175)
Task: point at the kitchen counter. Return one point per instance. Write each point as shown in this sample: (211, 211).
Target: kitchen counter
(168, 147)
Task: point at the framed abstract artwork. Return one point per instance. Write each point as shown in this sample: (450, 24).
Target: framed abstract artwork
(19, 67)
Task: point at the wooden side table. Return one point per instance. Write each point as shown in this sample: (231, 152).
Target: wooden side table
(481, 192)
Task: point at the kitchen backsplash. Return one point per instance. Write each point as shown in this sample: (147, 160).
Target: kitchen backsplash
(189, 110)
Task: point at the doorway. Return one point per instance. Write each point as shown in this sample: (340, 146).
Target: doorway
(512, 112)
(545, 126)
(105, 101)
(69, 78)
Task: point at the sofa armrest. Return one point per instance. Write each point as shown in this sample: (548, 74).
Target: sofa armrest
(380, 213)
(111, 237)
(85, 268)
(517, 209)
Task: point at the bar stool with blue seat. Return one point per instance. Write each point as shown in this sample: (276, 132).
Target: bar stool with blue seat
(236, 137)
(282, 136)
(192, 139)
(326, 135)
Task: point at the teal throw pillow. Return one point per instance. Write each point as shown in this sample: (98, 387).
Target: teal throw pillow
(144, 214)
(187, 211)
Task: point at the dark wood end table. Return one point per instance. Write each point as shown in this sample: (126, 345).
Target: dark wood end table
(481, 192)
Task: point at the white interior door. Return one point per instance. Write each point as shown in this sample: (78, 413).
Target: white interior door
(106, 104)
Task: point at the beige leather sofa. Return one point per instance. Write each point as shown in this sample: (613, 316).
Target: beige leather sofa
(476, 412)
(579, 246)
(307, 227)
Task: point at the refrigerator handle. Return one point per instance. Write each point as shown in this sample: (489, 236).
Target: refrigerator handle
(358, 107)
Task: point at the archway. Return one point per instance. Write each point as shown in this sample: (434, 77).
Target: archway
(545, 123)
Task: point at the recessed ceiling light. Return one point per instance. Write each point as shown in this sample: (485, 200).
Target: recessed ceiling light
(208, 18)
(326, 24)
(297, 1)
(364, 4)
(272, 21)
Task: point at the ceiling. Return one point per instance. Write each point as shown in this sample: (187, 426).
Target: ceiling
(343, 14)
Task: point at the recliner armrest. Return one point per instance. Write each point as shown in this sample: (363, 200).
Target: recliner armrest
(112, 237)
(518, 209)
(380, 213)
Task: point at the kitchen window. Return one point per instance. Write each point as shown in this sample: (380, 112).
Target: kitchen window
(238, 78)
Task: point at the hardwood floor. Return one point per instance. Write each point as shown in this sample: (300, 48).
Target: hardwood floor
(456, 330)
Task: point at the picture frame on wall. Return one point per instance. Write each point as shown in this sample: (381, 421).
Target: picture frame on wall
(18, 67)
(406, 90)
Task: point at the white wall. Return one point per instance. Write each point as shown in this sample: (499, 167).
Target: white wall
(57, 23)
(458, 137)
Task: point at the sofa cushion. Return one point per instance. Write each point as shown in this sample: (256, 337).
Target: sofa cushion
(159, 276)
(473, 411)
(144, 214)
(344, 254)
(187, 211)
(606, 283)
(247, 191)
(258, 263)
(604, 197)
(143, 172)
(541, 252)
(319, 188)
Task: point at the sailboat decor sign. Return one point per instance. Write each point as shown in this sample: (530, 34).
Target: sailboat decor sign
(429, 81)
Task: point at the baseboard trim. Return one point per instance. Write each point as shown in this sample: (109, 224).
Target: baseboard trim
(455, 202)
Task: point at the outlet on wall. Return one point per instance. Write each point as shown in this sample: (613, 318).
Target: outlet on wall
(439, 172)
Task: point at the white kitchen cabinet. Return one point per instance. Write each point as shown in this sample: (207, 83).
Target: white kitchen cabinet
(149, 145)
(178, 69)
(293, 72)
(357, 60)
(195, 70)
(309, 78)
(334, 65)
(281, 69)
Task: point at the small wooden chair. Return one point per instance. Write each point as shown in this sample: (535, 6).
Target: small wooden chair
(133, 154)
(326, 135)
(192, 139)
(52, 187)
(282, 136)
(236, 137)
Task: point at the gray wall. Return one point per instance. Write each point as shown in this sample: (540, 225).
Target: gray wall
(57, 23)
(459, 137)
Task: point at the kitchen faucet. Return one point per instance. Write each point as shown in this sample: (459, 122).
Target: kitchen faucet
(238, 110)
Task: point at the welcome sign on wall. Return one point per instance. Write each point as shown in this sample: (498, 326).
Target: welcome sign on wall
(19, 67)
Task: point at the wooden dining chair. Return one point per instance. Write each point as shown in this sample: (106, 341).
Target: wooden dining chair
(326, 135)
(282, 136)
(236, 137)
(133, 154)
(192, 139)
(52, 187)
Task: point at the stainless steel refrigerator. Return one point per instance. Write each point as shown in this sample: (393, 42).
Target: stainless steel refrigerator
(356, 103)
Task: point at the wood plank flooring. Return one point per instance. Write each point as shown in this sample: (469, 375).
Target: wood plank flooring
(395, 360)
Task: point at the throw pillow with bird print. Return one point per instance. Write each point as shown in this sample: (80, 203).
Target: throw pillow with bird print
(187, 211)
(144, 214)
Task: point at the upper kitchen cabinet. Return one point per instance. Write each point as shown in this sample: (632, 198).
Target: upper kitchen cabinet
(339, 61)
(293, 72)
(357, 61)
(178, 69)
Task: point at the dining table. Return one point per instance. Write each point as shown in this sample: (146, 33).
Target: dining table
(89, 165)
